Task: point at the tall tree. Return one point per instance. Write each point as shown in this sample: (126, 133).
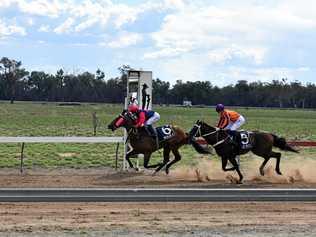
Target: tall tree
(160, 91)
(12, 74)
(60, 83)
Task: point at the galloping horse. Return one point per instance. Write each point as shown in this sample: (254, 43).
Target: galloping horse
(142, 143)
(260, 143)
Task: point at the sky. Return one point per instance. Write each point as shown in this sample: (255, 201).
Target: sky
(218, 41)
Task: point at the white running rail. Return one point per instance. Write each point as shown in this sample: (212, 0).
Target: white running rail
(24, 140)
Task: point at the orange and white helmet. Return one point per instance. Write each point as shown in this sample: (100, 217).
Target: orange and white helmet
(133, 108)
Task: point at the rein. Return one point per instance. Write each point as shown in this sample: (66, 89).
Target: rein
(211, 133)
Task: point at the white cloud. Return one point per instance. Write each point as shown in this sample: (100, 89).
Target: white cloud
(6, 3)
(177, 4)
(30, 21)
(44, 7)
(224, 55)
(92, 12)
(85, 25)
(65, 27)
(186, 67)
(195, 28)
(87, 13)
(44, 28)
(165, 52)
(126, 39)
(124, 14)
(7, 29)
(233, 74)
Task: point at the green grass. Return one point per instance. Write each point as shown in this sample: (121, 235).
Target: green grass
(50, 119)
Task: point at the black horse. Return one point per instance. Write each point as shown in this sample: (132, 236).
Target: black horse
(143, 143)
(260, 143)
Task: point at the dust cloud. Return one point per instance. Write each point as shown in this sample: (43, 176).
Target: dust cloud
(297, 169)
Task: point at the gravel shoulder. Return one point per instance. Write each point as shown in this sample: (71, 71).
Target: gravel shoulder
(158, 219)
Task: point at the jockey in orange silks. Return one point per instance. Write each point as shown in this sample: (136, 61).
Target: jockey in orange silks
(229, 119)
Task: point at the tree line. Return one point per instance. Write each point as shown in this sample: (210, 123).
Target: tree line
(16, 83)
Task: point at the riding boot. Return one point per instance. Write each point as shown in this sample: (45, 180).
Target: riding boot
(153, 133)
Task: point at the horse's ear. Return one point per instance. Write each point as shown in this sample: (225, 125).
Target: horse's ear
(197, 121)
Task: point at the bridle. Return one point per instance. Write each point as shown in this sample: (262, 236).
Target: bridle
(127, 116)
(218, 142)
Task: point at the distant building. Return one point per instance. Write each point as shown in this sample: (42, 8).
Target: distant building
(187, 103)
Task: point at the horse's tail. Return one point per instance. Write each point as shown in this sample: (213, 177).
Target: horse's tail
(199, 148)
(281, 143)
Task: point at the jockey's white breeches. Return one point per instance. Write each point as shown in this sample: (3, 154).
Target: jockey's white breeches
(235, 125)
(153, 119)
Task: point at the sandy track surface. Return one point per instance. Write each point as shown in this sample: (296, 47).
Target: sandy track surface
(110, 178)
(299, 172)
(158, 219)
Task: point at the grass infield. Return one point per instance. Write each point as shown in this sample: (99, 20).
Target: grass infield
(52, 119)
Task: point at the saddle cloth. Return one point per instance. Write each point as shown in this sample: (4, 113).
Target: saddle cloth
(244, 140)
(164, 133)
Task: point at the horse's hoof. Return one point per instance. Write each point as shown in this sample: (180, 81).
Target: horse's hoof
(261, 172)
(278, 172)
(167, 171)
(232, 179)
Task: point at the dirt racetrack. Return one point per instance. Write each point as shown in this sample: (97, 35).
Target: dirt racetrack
(240, 219)
(206, 174)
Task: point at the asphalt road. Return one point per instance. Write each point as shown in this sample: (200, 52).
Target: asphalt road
(153, 195)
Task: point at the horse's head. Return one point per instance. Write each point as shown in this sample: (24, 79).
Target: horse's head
(125, 119)
(201, 128)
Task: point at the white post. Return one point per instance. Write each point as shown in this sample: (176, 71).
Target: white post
(139, 83)
(125, 137)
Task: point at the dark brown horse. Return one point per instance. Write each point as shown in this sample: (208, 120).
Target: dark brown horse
(260, 143)
(142, 143)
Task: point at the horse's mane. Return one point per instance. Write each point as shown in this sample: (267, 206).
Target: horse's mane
(205, 124)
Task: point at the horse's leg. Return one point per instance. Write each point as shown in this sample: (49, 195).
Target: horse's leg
(128, 155)
(224, 164)
(266, 159)
(146, 161)
(277, 155)
(177, 157)
(166, 158)
(236, 166)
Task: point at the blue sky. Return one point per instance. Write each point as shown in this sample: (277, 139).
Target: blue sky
(220, 41)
